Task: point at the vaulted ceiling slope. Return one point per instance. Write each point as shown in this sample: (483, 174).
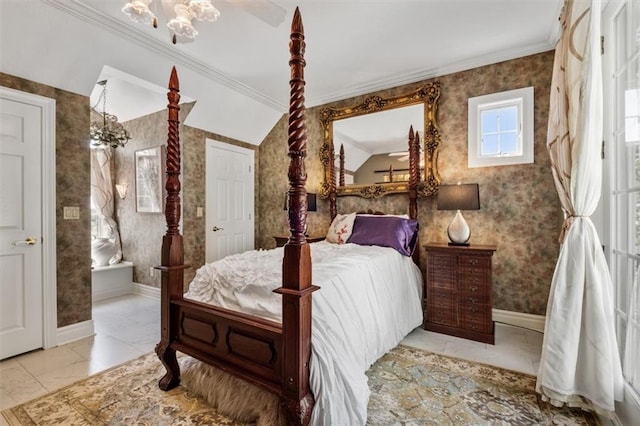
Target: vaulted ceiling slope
(236, 69)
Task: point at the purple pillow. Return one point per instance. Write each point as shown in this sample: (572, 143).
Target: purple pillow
(386, 231)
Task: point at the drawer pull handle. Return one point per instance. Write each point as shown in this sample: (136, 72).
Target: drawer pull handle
(473, 300)
(474, 288)
(474, 327)
(474, 310)
(473, 262)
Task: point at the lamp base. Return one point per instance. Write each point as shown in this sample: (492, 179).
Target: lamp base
(458, 231)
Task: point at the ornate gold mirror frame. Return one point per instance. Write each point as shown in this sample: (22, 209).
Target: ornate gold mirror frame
(428, 181)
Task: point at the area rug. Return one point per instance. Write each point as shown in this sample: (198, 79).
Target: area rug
(414, 387)
(408, 387)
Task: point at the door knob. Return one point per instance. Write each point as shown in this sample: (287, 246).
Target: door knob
(215, 228)
(29, 241)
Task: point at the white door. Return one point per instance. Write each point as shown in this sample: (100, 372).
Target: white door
(21, 291)
(229, 204)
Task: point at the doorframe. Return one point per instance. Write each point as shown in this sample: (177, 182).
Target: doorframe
(235, 148)
(48, 194)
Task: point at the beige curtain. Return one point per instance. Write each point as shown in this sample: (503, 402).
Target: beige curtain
(580, 364)
(102, 196)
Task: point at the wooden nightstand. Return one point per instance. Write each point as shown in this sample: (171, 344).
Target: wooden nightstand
(282, 240)
(458, 291)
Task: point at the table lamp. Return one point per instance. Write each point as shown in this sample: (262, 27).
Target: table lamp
(458, 197)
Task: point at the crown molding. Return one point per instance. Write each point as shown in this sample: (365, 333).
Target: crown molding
(421, 75)
(95, 17)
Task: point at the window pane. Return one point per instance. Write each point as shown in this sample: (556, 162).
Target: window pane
(489, 120)
(489, 145)
(509, 118)
(632, 115)
(509, 143)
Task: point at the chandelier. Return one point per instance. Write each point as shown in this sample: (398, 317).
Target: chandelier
(107, 132)
(185, 11)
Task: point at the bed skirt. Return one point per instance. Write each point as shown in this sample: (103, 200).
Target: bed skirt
(231, 396)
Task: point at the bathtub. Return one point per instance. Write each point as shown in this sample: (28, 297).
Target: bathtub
(111, 281)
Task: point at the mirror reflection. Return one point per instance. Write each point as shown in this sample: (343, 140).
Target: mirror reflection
(375, 145)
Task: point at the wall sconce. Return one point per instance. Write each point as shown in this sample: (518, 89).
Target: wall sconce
(122, 190)
(458, 197)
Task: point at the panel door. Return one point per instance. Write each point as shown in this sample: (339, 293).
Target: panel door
(230, 203)
(21, 292)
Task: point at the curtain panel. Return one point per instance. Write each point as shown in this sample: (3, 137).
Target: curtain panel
(580, 364)
(102, 196)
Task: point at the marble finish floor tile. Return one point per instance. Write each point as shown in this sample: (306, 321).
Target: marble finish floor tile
(129, 326)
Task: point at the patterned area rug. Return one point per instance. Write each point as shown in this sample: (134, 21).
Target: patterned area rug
(414, 387)
(408, 387)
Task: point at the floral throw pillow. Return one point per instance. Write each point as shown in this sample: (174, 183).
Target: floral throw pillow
(341, 228)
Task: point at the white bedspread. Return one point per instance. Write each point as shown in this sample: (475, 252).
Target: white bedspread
(368, 301)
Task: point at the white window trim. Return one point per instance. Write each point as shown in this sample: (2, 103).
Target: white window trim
(478, 104)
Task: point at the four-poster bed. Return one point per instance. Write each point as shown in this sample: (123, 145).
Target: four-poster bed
(258, 348)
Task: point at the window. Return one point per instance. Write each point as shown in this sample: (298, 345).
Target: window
(501, 128)
(622, 186)
(98, 227)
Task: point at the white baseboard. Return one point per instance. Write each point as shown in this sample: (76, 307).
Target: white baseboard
(146, 291)
(73, 332)
(519, 319)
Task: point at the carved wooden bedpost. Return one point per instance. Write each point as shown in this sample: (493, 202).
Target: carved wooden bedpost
(296, 287)
(414, 179)
(333, 208)
(414, 162)
(341, 165)
(172, 266)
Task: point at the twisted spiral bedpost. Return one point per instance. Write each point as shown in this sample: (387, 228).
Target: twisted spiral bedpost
(341, 165)
(172, 256)
(296, 289)
(172, 210)
(414, 163)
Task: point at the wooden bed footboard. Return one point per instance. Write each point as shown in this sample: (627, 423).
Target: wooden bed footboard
(271, 355)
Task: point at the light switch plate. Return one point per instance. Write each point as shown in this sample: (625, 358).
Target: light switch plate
(199, 211)
(71, 212)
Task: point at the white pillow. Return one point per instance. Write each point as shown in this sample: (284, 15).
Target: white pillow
(341, 228)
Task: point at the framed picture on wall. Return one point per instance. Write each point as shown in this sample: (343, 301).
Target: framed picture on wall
(150, 179)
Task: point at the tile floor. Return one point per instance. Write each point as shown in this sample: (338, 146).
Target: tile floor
(128, 326)
(125, 328)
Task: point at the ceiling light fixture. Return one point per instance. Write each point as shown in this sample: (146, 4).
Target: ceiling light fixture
(108, 132)
(185, 11)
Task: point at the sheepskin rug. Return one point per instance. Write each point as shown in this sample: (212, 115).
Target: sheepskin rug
(231, 396)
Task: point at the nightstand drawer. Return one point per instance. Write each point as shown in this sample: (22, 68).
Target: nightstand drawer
(445, 314)
(472, 288)
(442, 282)
(437, 298)
(441, 262)
(474, 299)
(476, 318)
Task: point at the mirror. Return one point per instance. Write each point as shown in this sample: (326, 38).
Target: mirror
(374, 138)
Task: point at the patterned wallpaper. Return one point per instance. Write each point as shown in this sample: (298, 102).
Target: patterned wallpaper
(520, 211)
(73, 237)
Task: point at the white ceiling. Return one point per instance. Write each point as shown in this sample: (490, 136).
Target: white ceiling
(236, 70)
